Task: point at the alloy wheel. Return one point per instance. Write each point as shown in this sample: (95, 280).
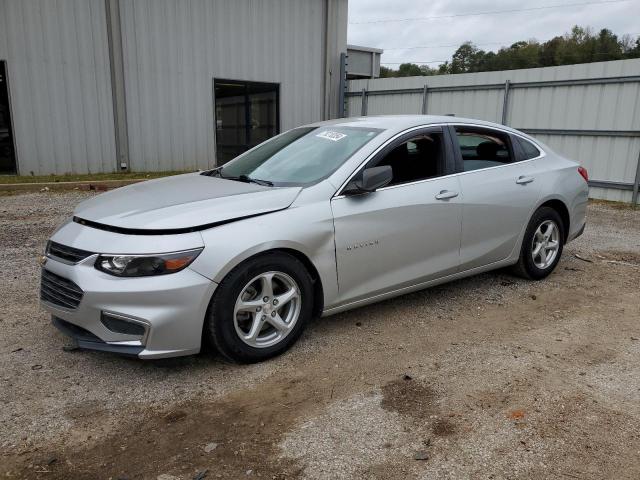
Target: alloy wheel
(545, 244)
(267, 309)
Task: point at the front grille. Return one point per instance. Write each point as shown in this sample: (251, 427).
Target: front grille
(59, 291)
(68, 254)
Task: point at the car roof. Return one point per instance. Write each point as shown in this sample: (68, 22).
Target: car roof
(403, 122)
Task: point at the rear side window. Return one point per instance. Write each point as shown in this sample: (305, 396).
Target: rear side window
(529, 150)
(483, 148)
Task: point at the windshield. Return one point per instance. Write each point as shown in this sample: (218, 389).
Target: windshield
(300, 156)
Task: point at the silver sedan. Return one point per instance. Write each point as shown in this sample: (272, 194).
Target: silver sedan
(317, 220)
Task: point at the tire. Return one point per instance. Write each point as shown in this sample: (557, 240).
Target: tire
(529, 265)
(241, 325)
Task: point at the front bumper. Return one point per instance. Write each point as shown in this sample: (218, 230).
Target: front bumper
(85, 339)
(171, 308)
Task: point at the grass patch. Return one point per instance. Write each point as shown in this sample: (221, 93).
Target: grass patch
(11, 179)
(612, 204)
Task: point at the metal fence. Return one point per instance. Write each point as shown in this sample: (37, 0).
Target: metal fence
(588, 112)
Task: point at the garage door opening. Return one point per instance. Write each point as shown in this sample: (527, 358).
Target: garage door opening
(7, 152)
(246, 114)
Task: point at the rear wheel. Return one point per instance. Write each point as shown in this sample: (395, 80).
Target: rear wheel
(260, 309)
(542, 245)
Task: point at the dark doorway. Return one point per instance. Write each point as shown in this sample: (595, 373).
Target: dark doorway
(7, 153)
(246, 114)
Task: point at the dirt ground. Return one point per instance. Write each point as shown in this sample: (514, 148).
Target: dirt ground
(488, 377)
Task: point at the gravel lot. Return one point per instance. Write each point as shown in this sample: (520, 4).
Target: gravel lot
(488, 377)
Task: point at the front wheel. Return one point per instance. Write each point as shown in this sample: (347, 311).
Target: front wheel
(260, 309)
(542, 245)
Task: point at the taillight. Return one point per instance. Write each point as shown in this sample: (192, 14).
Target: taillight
(583, 171)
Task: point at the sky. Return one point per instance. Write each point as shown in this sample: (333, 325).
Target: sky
(489, 31)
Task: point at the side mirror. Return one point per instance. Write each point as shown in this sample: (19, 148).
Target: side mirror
(370, 180)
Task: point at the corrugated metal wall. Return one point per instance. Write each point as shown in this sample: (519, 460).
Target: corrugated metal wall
(600, 107)
(58, 62)
(59, 80)
(173, 50)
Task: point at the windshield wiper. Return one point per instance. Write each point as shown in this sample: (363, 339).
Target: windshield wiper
(248, 179)
(213, 172)
(240, 178)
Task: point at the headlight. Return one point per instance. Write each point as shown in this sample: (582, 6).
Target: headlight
(146, 265)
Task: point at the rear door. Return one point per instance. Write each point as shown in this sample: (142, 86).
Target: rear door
(407, 232)
(498, 191)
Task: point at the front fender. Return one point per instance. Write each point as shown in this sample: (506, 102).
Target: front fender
(307, 229)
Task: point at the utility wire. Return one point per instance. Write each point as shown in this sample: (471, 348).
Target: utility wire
(417, 47)
(493, 12)
(416, 62)
(455, 45)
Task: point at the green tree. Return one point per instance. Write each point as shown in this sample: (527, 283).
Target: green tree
(427, 70)
(577, 47)
(386, 72)
(580, 45)
(607, 46)
(549, 51)
(633, 52)
(409, 70)
(467, 58)
(444, 68)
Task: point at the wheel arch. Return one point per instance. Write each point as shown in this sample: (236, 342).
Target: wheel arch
(318, 290)
(560, 207)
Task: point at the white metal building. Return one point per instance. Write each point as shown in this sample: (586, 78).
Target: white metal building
(147, 85)
(363, 62)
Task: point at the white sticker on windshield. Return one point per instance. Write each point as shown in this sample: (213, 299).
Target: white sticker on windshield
(333, 136)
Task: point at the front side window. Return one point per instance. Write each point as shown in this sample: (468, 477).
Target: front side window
(483, 148)
(301, 156)
(416, 159)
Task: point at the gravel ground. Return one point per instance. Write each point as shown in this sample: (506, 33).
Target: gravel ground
(487, 377)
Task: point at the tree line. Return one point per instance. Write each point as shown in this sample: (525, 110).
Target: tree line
(580, 45)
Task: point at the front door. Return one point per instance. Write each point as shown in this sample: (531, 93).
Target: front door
(498, 194)
(405, 233)
(246, 114)
(7, 153)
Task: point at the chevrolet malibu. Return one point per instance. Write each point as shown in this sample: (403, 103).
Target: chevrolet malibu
(317, 220)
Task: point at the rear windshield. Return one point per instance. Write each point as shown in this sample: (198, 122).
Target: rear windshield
(301, 156)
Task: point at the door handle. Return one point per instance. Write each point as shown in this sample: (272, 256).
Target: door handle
(523, 180)
(446, 195)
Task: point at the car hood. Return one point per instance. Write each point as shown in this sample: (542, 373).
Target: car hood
(182, 202)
